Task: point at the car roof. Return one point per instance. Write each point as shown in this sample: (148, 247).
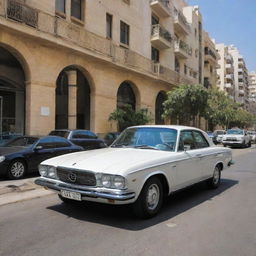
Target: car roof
(177, 127)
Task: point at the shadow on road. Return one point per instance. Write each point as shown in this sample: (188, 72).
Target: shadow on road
(122, 217)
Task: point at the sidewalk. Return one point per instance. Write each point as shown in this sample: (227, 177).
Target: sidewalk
(12, 191)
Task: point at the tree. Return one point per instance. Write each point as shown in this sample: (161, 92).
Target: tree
(186, 102)
(126, 116)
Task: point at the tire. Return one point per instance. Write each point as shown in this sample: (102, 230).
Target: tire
(224, 145)
(17, 169)
(249, 144)
(214, 182)
(151, 191)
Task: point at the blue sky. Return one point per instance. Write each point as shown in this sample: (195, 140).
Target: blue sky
(231, 22)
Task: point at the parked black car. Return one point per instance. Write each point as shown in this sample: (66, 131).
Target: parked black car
(109, 137)
(84, 138)
(23, 154)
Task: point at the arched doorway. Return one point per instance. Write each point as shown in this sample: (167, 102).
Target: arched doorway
(126, 95)
(72, 89)
(12, 95)
(159, 108)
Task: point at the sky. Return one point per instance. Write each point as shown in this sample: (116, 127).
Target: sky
(231, 22)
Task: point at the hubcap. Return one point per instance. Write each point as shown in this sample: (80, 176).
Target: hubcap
(153, 196)
(216, 176)
(17, 169)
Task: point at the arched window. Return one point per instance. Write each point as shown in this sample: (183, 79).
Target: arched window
(159, 109)
(125, 95)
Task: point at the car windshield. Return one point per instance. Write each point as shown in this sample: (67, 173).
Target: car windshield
(148, 138)
(21, 142)
(63, 134)
(236, 132)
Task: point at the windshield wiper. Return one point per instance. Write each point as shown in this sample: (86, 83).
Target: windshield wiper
(145, 147)
(121, 145)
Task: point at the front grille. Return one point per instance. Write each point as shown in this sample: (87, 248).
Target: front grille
(230, 139)
(74, 176)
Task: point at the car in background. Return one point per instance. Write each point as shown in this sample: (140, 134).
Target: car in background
(142, 166)
(236, 138)
(252, 135)
(218, 135)
(210, 134)
(23, 154)
(109, 137)
(84, 138)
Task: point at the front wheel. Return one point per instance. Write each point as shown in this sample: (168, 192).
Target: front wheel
(17, 169)
(214, 182)
(150, 199)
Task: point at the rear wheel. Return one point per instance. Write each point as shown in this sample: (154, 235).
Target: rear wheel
(17, 169)
(214, 182)
(150, 199)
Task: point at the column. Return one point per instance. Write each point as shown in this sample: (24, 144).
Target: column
(72, 98)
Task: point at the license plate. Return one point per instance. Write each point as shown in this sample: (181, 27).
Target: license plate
(71, 195)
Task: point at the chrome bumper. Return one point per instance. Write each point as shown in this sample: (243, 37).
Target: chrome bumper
(85, 192)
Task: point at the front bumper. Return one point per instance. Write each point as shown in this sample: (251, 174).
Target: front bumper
(88, 193)
(233, 143)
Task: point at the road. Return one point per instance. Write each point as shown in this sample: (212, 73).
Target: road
(194, 222)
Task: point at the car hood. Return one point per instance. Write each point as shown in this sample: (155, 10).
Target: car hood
(113, 160)
(10, 150)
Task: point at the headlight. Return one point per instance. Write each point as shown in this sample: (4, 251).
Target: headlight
(110, 181)
(2, 158)
(43, 170)
(106, 181)
(52, 172)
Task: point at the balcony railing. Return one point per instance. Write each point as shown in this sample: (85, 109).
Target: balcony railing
(208, 51)
(182, 49)
(22, 13)
(180, 22)
(161, 7)
(160, 37)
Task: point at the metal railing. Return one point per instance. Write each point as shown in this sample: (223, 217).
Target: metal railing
(158, 30)
(208, 51)
(181, 45)
(180, 18)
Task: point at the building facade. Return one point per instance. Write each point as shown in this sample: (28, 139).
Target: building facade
(70, 63)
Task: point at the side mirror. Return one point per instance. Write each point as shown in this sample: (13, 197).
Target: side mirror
(38, 148)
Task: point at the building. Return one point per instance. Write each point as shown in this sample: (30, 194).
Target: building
(211, 58)
(69, 64)
(225, 71)
(252, 86)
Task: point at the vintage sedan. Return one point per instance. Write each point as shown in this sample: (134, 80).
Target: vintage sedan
(142, 166)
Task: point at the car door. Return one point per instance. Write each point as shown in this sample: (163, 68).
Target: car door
(188, 167)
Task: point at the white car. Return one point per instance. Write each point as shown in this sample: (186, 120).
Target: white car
(252, 135)
(142, 166)
(236, 138)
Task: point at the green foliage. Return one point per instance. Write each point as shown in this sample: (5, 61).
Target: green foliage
(186, 102)
(126, 116)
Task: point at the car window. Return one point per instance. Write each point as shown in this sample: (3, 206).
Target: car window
(47, 142)
(186, 141)
(61, 143)
(200, 140)
(84, 135)
(60, 133)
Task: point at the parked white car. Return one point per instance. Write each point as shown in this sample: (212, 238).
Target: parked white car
(252, 135)
(142, 166)
(236, 138)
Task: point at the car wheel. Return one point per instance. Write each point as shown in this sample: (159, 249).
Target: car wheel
(17, 169)
(150, 199)
(214, 182)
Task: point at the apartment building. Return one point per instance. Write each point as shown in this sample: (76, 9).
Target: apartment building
(252, 86)
(240, 77)
(225, 71)
(70, 63)
(211, 58)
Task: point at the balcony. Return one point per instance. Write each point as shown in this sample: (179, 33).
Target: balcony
(229, 76)
(161, 7)
(241, 92)
(182, 49)
(240, 76)
(229, 68)
(228, 85)
(160, 37)
(180, 23)
(210, 55)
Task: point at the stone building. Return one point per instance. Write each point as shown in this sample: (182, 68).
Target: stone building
(70, 63)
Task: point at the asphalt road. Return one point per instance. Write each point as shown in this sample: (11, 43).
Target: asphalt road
(195, 222)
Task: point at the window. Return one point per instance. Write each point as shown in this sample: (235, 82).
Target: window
(61, 143)
(109, 19)
(124, 33)
(155, 54)
(154, 20)
(186, 141)
(47, 142)
(185, 69)
(76, 9)
(200, 140)
(60, 5)
(84, 135)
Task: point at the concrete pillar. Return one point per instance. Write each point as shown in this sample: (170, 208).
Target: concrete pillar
(72, 98)
(19, 112)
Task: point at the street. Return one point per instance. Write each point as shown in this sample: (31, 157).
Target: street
(194, 222)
